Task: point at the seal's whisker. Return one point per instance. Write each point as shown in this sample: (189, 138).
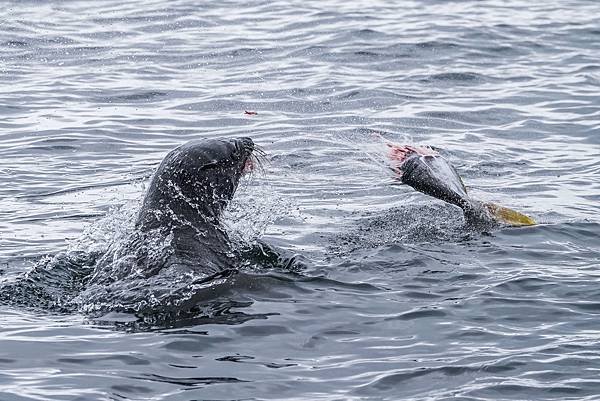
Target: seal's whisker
(259, 157)
(259, 152)
(257, 165)
(259, 149)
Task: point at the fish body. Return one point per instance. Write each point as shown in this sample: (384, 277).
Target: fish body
(428, 172)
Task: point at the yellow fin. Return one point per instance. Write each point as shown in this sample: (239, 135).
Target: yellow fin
(509, 216)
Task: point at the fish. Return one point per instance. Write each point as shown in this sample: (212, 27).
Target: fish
(426, 170)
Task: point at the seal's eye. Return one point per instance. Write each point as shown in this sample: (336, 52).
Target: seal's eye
(244, 146)
(238, 147)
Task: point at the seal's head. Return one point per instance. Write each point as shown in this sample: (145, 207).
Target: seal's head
(194, 183)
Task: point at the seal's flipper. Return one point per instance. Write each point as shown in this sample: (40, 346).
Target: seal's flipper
(509, 216)
(269, 256)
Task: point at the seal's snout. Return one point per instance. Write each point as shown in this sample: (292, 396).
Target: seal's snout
(247, 143)
(244, 145)
(252, 155)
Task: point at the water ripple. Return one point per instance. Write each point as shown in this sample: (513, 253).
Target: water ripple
(388, 296)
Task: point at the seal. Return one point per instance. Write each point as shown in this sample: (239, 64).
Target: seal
(176, 256)
(424, 169)
(178, 226)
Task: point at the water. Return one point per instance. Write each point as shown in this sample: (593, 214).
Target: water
(394, 299)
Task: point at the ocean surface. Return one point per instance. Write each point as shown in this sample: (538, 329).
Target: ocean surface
(392, 297)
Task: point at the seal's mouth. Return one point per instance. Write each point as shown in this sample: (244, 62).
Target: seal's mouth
(248, 166)
(255, 161)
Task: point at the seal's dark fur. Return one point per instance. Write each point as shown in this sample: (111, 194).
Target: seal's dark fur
(178, 227)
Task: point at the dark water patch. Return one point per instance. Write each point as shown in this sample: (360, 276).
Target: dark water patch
(252, 360)
(323, 282)
(54, 148)
(459, 77)
(7, 109)
(127, 388)
(159, 321)
(182, 366)
(421, 295)
(236, 358)
(435, 45)
(189, 381)
(195, 344)
(262, 330)
(15, 43)
(366, 53)
(467, 277)
(588, 307)
(526, 284)
(134, 97)
(421, 379)
(517, 390)
(367, 33)
(125, 359)
(55, 216)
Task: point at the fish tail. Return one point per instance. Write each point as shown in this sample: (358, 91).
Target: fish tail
(509, 216)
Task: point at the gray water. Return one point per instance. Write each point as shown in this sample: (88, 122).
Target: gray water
(394, 298)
